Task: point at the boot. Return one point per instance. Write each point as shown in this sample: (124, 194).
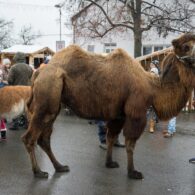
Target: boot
(14, 125)
(151, 126)
(3, 135)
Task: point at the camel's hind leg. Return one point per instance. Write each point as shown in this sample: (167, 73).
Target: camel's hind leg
(40, 129)
(44, 143)
(29, 138)
(44, 106)
(114, 128)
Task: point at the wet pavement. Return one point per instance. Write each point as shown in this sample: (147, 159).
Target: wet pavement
(164, 163)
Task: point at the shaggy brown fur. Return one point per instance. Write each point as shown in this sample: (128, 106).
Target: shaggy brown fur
(114, 88)
(13, 100)
(178, 77)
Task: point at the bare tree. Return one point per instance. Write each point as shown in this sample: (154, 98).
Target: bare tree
(5, 33)
(97, 18)
(27, 36)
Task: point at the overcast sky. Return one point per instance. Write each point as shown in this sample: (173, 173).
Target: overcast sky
(34, 2)
(40, 14)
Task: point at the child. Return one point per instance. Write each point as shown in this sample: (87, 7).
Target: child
(3, 129)
(2, 121)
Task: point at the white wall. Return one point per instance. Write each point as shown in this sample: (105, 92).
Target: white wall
(126, 41)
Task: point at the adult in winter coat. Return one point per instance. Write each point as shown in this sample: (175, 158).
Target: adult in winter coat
(20, 73)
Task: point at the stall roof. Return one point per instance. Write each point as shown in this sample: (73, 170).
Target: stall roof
(157, 55)
(27, 49)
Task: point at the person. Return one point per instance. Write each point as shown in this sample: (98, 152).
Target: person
(171, 128)
(154, 67)
(102, 136)
(20, 74)
(152, 117)
(4, 69)
(45, 62)
(3, 129)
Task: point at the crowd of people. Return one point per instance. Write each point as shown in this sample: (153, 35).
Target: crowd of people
(19, 73)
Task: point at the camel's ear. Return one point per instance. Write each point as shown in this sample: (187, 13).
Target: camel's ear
(175, 43)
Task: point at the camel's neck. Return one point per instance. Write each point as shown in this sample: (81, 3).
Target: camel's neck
(172, 91)
(169, 99)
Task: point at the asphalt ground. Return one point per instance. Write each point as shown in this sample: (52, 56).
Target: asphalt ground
(164, 162)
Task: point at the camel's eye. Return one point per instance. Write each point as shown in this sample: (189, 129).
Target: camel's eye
(186, 48)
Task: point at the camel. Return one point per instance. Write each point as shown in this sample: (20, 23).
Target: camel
(114, 88)
(13, 101)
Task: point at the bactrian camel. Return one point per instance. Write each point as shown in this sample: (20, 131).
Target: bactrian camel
(114, 88)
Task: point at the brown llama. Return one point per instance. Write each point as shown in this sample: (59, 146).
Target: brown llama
(114, 88)
(13, 101)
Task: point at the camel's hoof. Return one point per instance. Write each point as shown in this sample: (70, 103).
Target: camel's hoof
(135, 175)
(112, 164)
(64, 168)
(41, 174)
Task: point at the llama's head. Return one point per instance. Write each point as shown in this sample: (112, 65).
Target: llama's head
(180, 65)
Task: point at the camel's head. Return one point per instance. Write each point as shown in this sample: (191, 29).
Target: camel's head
(179, 66)
(184, 48)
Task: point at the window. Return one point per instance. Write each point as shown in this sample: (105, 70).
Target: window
(157, 48)
(90, 48)
(109, 47)
(147, 50)
(167, 46)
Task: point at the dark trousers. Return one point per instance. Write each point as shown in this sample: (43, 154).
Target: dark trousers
(101, 131)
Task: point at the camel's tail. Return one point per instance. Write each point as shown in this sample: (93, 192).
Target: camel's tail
(34, 76)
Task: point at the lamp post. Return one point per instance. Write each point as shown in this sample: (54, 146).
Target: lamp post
(60, 11)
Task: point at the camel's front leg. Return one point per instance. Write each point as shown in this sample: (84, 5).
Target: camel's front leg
(133, 129)
(114, 127)
(132, 173)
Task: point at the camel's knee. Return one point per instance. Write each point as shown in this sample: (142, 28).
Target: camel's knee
(28, 141)
(29, 138)
(50, 118)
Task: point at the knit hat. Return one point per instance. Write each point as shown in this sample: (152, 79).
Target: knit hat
(19, 57)
(6, 61)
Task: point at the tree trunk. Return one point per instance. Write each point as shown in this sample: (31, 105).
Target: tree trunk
(137, 29)
(137, 43)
